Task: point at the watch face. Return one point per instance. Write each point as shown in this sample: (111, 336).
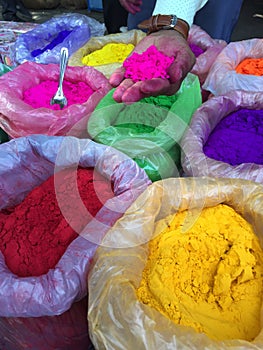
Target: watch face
(172, 22)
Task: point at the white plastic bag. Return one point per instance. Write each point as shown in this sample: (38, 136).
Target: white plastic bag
(222, 76)
(205, 119)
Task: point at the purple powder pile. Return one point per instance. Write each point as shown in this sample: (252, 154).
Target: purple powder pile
(57, 40)
(197, 51)
(238, 138)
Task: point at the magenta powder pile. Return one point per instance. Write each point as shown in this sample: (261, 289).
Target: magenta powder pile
(238, 138)
(150, 64)
(40, 95)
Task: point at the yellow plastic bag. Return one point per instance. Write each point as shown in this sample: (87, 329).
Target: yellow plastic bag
(96, 43)
(117, 320)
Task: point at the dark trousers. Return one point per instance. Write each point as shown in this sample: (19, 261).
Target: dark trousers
(218, 18)
(115, 16)
(8, 7)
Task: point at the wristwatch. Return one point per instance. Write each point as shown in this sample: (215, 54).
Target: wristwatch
(164, 22)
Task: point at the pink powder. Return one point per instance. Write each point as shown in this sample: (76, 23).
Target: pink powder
(150, 64)
(40, 95)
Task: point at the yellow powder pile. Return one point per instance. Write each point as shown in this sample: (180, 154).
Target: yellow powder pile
(110, 53)
(209, 277)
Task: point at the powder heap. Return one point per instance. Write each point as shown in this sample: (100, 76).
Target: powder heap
(34, 234)
(150, 64)
(40, 95)
(237, 138)
(209, 277)
(252, 66)
(197, 50)
(56, 41)
(110, 53)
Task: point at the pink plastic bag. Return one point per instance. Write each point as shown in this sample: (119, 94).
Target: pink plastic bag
(18, 118)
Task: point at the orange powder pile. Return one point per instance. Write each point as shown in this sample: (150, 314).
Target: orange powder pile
(208, 277)
(252, 66)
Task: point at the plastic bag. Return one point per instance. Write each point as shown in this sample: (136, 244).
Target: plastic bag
(49, 311)
(161, 120)
(4, 69)
(194, 161)
(222, 77)
(20, 119)
(211, 47)
(117, 320)
(43, 43)
(130, 37)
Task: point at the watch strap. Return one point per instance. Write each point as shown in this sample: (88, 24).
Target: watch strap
(164, 22)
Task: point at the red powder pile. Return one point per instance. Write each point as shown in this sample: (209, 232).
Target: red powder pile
(252, 66)
(40, 95)
(150, 64)
(34, 234)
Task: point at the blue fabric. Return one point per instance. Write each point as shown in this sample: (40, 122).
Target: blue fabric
(218, 18)
(146, 12)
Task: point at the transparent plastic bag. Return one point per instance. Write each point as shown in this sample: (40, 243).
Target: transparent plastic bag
(117, 320)
(211, 47)
(49, 311)
(161, 120)
(130, 37)
(205, 119)
(222, 77)
(18, 118)
(43, 43)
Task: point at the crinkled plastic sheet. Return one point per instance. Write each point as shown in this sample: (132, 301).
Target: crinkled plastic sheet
(205, 119)
(148, 148)
(27, 303)
(18, 118)
(83, 28)
(130, 37)
(211, 48)
(117, 320)
(222, 77)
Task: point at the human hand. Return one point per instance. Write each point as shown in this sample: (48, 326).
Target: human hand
(132, 6)
(172, 44)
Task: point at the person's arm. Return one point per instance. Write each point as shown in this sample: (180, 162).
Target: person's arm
(184, 9)
(171, 42)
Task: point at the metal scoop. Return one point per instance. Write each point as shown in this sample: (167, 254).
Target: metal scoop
(59, 97)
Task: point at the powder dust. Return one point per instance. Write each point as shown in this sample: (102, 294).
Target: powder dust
(209, 277)
(109, 53)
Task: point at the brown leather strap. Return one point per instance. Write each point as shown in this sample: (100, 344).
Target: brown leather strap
(160, 22)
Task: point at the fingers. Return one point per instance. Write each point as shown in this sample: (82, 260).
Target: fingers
(117, 77)
(120, 91)
(132, 6)
(128, 91)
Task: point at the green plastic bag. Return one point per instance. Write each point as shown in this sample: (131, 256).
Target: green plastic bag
(4, 69)
(3, 136)
(149, 130)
